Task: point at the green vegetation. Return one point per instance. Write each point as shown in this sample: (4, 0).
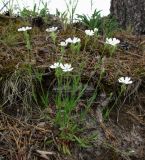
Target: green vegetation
(26, 13)
(106, 25)
(91, 22)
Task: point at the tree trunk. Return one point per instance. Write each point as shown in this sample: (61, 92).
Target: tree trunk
(129, 13)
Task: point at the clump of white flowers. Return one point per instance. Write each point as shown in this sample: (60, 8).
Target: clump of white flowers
(125, 80)
(23, 29)
(65, 67)
(91, 32)
(112, 41)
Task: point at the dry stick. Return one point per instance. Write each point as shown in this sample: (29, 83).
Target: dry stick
(5, 5)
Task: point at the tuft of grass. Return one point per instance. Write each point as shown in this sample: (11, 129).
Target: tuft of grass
(17, 89)
(71, 8)
(91, 22)
(9, 34)
(106, 25)
(109, 26)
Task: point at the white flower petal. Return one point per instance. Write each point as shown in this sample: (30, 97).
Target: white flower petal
(55, 65)
(76, 40)
(66, 67)
(68, 40)
(63, 44)
(95, 29)
(67, 70)
(121, 79)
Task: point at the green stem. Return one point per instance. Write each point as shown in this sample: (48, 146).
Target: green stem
(123, 88)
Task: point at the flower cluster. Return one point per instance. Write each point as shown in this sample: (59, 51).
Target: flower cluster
(112, 41)
(91, 32)
(69, 40)
(23, 29)
(125, 80)
(65, 67)
(52, 29)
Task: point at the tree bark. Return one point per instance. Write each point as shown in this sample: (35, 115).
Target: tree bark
(129, 13)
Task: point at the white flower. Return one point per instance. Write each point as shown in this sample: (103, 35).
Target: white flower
(125, 80)
(23, 29)
(74, 40)
(56, 65)
(95, 29)
(68, 40)
(66, 67)
(63, 44)
(52, 29)
(89, 32)
(112, 41)
(28, 28)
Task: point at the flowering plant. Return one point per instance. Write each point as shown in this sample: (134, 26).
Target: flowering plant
(52, 30)
(26, 35)
(111, 44)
